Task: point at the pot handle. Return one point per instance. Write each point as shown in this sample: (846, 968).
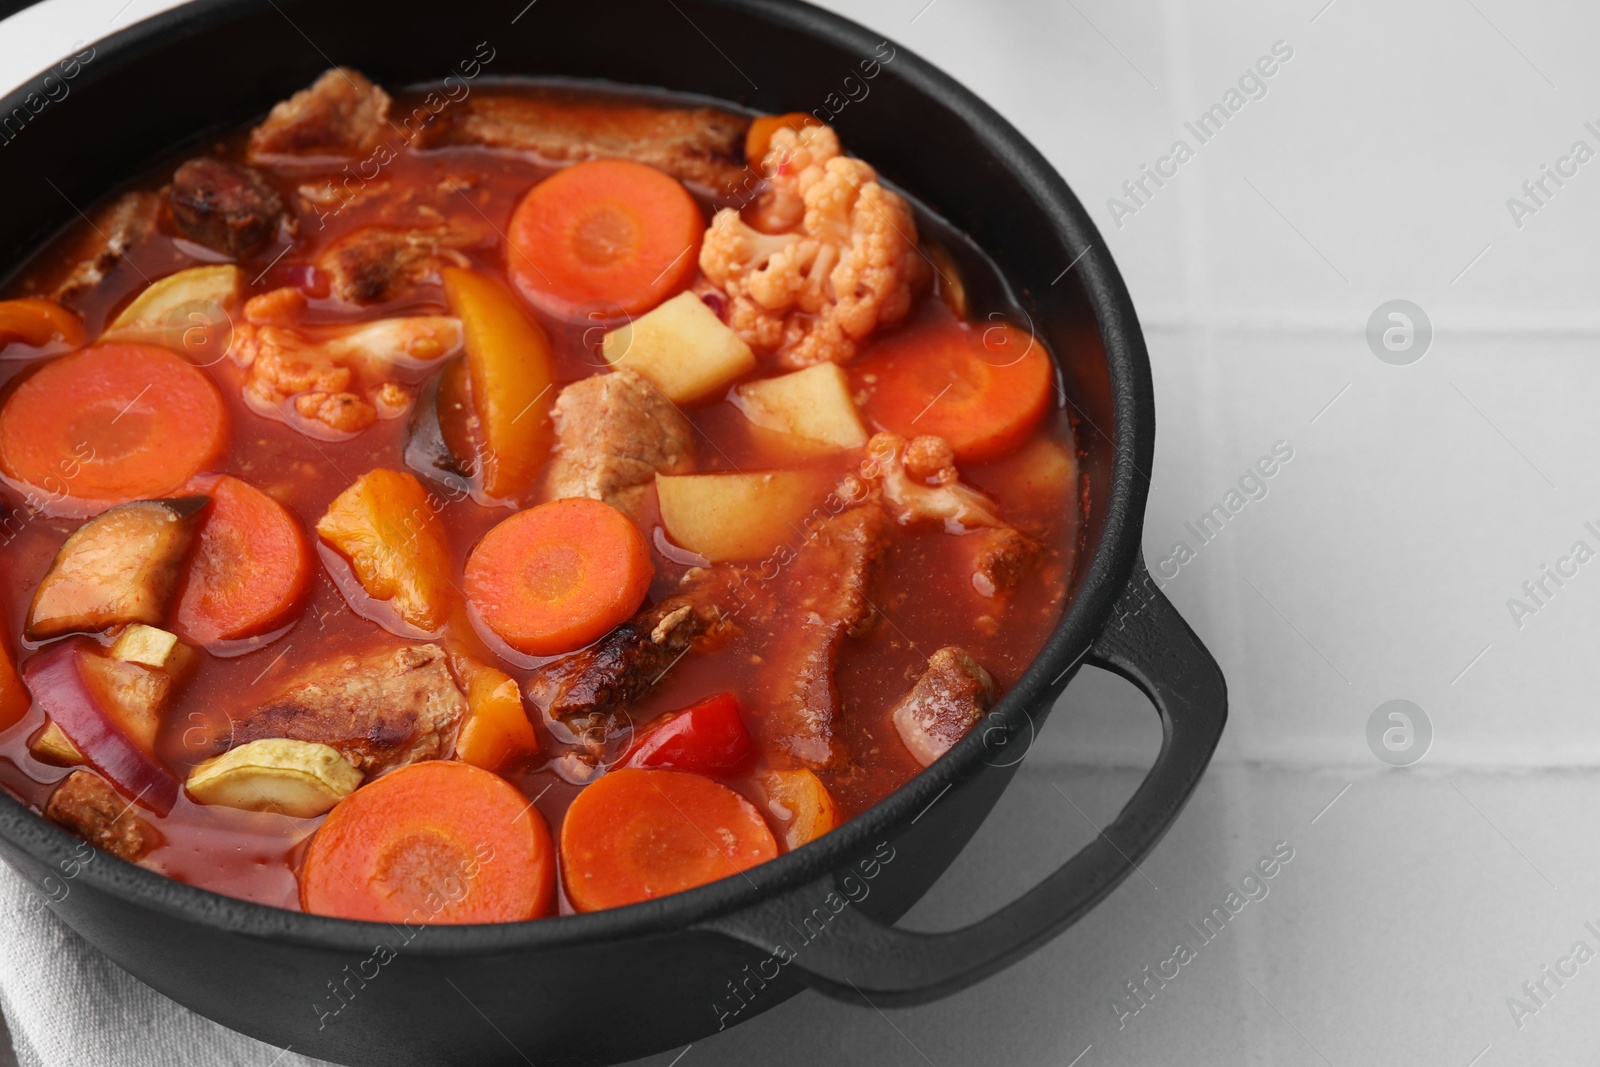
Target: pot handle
(1145, 641)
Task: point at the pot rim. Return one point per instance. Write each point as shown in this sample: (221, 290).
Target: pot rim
(1107, 567)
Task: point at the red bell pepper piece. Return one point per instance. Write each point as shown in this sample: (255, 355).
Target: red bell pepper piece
(707, 737)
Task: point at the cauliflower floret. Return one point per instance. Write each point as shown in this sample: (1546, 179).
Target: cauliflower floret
(920, 484)
(317, 371)
(795, 158)
(816, 291)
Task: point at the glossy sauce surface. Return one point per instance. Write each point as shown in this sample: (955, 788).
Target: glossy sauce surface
(923, 590)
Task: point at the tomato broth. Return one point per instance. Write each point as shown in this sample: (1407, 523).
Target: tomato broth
(922, 591)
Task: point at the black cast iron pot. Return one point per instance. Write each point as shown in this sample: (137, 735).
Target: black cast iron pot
(611, 986)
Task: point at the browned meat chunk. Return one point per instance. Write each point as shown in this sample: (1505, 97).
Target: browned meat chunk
(224, 206)
(947, 701)
(342, 114)
(590, 690)
(119, 567)
(88, 806)
(699, 145)
(1001, 556)
(613, 433)
(115, 231)
(823, 600)
(374, 265)
(380, 711)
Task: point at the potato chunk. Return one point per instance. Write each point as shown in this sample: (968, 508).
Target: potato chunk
(52, 745)
(736, 516)
(813, 403)
(385, 525)
(298, 778)
(1046, 471)
(149, 646)
(683, 348)
(120, 567)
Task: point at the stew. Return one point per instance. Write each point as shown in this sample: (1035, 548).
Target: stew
(542, 499)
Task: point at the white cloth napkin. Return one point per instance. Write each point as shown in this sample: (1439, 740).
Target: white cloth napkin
(69, 1006)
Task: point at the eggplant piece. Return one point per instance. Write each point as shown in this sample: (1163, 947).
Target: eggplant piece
(120, 567)
(429, 449)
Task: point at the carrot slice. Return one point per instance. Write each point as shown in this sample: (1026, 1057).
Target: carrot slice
(982, 389)
(758, 139)
(608, 232)
(636, 835)
(14, 698)
(252, 565)
(109, 424)
(435, 842)
(555, 577)
(36, 322)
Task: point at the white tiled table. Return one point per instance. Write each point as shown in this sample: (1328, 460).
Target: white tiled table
(1378, 566)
